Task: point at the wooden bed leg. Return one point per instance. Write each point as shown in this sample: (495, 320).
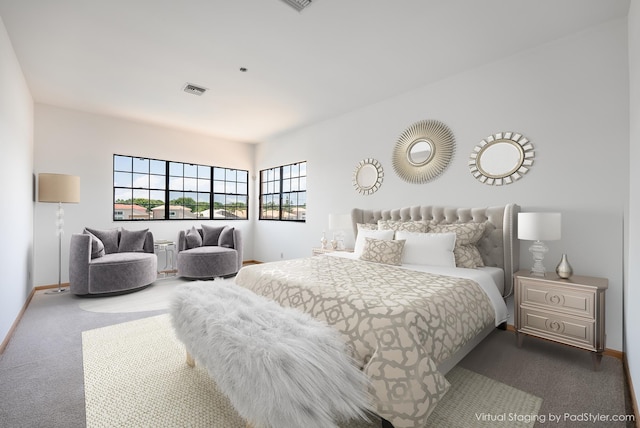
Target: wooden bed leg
(386, 423)
(190, 361)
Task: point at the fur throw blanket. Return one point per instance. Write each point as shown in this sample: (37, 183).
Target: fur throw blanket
(278, 366)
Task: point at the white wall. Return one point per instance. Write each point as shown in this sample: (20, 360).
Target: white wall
(16, 191)
(632, 281)
(83, 144)
(570, 98)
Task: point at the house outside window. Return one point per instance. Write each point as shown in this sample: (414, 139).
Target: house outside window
(153, 189)
(283, 192)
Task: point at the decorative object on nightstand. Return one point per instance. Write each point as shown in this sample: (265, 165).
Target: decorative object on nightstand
(338, 223)
(539, 227)
(59, 188)
(323, 241)
(564, 269)
(568, 311)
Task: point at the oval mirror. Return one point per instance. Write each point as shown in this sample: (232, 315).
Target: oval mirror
(501, 158)
(423, 151)
(367, 176)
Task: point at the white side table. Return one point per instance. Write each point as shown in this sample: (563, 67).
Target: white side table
(169, 250)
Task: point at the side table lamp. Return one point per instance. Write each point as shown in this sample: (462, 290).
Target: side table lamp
(539, 227)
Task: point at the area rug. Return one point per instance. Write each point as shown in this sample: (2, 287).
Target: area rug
(153, 298)
(135, 374)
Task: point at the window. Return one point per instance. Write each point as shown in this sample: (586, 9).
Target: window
(283, 192)
(142, 187)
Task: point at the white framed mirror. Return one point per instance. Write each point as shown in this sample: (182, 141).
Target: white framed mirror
(501, 158)
(423, 151)
(367, 176)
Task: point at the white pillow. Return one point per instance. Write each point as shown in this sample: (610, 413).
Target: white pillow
(376, 234)
(431, 249)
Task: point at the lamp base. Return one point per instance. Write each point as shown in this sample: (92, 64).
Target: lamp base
(57, 291)
(538, 249)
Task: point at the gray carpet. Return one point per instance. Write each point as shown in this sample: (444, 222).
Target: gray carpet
(41, 375)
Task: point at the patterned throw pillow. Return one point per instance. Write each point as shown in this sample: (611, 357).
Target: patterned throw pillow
(383, 251)
(467, 236)
(367, 226)
(408, 226)
(364, 233)
(193, 238)
(132, 241)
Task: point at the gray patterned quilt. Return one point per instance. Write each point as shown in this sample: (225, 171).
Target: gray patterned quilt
(399, 323)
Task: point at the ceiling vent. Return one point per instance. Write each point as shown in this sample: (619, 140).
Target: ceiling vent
(298, 4)
(193, 89)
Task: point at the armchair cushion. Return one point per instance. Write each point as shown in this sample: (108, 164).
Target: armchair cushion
(97, 247)
(132, 240)
(211, 234)
(226, 238)
(193, 238)
(108, 237)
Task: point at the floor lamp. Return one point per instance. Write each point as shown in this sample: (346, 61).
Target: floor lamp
(59, 188)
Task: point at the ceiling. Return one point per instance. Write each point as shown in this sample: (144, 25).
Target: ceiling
(132, 58)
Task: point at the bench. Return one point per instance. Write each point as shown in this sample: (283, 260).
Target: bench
(278, 366)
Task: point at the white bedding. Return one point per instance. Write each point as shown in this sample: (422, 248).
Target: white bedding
(490, 279)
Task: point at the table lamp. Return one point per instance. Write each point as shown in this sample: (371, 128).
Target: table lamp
(539, 227)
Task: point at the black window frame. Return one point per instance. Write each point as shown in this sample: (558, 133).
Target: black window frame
(198, 184)
(277, 187)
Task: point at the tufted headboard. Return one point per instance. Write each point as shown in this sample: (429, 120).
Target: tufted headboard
(498, 246)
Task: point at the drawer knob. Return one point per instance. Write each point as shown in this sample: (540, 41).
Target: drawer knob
(555, 299)
(553, 325)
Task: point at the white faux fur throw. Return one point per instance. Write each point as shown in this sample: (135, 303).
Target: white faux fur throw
(280, 367)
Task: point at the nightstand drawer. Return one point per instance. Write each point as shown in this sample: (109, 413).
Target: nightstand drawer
(575, 331)
(570, 300)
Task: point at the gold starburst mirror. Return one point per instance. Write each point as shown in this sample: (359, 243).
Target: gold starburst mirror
(501, 158)
(423, 151)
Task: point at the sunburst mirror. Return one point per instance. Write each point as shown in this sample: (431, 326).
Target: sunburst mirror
(367, 176)
(501, 158)
(423, 151)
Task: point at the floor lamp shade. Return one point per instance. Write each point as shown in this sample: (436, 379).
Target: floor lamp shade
(58, 188)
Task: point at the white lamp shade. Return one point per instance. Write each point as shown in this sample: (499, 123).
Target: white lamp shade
(58, 188)
(539, 226)
(339, 221)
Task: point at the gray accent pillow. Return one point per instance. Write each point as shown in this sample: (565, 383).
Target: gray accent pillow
(226, 238)
(211, 234)
(193, 238)
(108, 237)
(97, 247)
(132, 241)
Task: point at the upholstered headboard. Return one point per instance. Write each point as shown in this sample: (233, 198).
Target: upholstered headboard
(498, 246)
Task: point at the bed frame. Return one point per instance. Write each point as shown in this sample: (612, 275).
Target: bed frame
(498, 246)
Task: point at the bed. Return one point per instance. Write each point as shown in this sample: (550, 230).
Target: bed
(407, 321)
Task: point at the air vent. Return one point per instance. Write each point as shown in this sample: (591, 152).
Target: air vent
(298, 4)
(193, 89)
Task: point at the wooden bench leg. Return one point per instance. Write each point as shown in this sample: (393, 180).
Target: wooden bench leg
(190, 361)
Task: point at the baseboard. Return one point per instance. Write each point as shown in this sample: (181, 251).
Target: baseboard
(5, 342)
(251, 262)
(632, 392)
(609, 352)
(48, 287)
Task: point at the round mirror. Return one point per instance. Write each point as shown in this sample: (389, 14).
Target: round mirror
(501, 158)
(367, 176)
(420, 152)
(423, 151)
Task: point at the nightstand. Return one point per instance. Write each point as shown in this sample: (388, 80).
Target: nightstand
(568, 311)
(318, 251)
